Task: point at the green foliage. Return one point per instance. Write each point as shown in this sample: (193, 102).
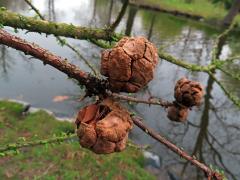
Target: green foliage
(53, 161)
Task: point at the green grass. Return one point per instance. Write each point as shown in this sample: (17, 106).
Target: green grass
(59, 161)
(203, 8)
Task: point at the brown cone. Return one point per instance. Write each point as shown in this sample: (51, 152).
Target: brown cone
(130, 64)
(177, 113)
(188, 93)
(104, 127)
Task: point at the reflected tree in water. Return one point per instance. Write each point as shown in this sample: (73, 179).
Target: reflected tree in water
(150, 32)
(14, 5)
(51, 10)
(131, 16)
(110, 12)
(5, 62)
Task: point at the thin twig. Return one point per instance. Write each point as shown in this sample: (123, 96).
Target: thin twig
(184, 64)
(94, 70)
(65, 42)
(19, 145)
(209, 172)
(120, 16)
(160, 102)
(220, 39)
(35, 9)
(4, 150)
(233, 98)
(232, 59)
(234, 76)
(92, 84)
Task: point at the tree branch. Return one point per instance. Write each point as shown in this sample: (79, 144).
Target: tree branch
(233, 98)
(120, 15)
(16, 146)
(35, 9)
(160, 102)
(94, 35)
(209, 172)
(183, 63)
(63, 42)
(221, 39)
(15, 20)
(93, 85)
(90, 83)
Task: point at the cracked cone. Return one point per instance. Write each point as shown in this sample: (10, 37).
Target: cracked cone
(103, 127)
(130, 64)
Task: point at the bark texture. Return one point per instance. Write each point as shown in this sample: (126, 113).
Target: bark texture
(93, 85)
(15, 20)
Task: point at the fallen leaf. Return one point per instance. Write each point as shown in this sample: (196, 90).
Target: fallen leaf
(60, 98)
(8, 174)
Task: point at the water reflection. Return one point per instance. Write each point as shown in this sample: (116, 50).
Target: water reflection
(14, 5)
(212, 133)
(51, 10)
(131, 16)
(150, 32)
(5, 62)
(203, 129)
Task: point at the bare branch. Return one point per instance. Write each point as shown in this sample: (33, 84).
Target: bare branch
(65, 42)
(120, 16)
(183, 63)
(35, 9)
(160, 102)
(233, 98)
(16, 146)
(209, 172)
(221, 39)
(93, 85)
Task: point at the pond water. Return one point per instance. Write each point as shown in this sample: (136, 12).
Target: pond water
(212, 132)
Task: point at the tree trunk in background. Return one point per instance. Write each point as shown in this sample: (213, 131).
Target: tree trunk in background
(228, 19)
